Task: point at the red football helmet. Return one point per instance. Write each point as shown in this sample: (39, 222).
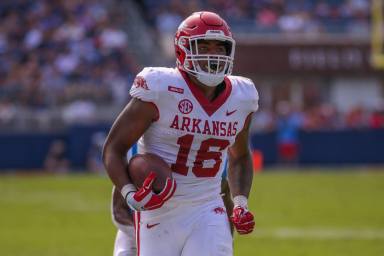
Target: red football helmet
(204, 26)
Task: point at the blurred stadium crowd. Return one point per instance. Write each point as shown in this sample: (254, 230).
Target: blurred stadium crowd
(72, 55)
(58, 53)
(270, 16)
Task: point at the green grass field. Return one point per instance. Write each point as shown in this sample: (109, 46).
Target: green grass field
(298, 213)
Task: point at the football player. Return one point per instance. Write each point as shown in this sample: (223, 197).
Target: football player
(122, 215)
(192, 116)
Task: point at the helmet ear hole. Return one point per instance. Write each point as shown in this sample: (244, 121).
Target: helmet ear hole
(228, 48)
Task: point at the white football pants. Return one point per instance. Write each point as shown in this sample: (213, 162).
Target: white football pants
(185, 230)
(125, 242)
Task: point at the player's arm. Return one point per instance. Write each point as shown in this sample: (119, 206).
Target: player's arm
(240, 175)
(132, 122)
(240, 171)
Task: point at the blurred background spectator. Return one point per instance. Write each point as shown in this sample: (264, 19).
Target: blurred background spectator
(288, 125)
(56, 160)
(377, 117)
(94, 160)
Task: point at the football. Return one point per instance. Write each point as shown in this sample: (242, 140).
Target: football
(141, 165)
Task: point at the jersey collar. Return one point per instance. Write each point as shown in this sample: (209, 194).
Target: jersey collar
(209, 107)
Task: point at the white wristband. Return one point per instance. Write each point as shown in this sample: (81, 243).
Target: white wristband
(241, 201)
(126, 189)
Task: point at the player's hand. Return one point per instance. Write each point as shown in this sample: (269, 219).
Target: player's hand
(242, 219)
(145, 199)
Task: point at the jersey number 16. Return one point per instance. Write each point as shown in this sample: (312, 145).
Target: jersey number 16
(203, 154)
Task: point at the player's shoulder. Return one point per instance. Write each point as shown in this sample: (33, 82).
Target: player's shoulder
(152, 81)
(244, 86)
(158, 74)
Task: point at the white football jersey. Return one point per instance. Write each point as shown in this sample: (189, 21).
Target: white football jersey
(193, 134)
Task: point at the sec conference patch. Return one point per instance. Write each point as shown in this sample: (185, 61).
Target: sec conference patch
(185, 106)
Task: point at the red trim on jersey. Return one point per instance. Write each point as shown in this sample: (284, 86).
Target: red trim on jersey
(210, 107)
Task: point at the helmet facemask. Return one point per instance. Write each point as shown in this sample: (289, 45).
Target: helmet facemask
(210, 69)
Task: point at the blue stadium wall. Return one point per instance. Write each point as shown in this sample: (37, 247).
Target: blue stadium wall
(328, 147)
(27, 151)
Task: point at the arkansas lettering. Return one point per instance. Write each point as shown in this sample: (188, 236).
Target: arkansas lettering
(194, 125)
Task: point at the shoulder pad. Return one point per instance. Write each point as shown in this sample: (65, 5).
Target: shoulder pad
(148, 84)
(247, 91)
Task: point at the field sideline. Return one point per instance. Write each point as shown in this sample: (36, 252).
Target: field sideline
(312, 213)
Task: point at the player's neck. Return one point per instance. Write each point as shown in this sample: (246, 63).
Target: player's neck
(209, 92)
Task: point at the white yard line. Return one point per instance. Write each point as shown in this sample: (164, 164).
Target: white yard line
(321, 233)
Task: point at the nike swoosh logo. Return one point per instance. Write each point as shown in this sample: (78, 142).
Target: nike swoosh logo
(230, 113)
(153, 225)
